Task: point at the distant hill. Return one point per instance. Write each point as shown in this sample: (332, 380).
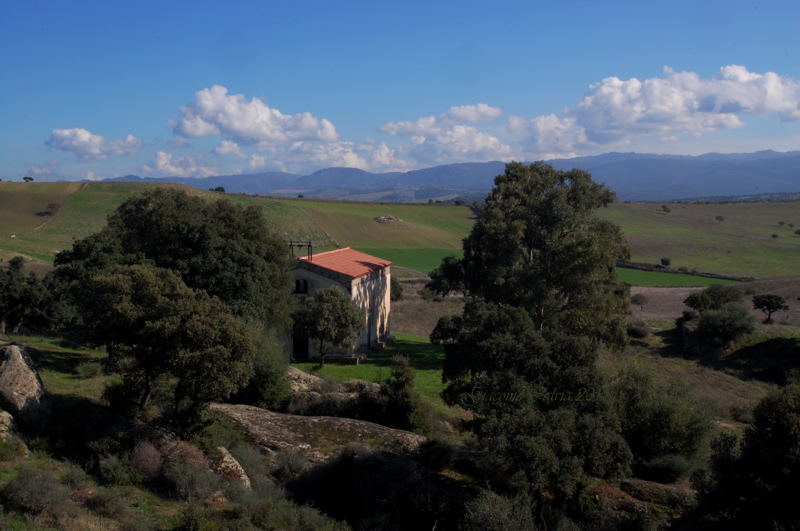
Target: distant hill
(633, 176)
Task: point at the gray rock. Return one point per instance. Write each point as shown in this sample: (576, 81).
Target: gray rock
(226, 466)
(21, 389)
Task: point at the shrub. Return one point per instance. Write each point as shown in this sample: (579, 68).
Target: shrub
(720, 327)
(639, 299)
(147, 460)
(774, 236)
(396, 289)
(118, 471)
(666, 261)
(289, 465)
(107, 502)
(637, 330)
(491, 512)
(190, 481)
(665, 469)
(720, 218)
(35, 490)
(436, 454)
(657, 420)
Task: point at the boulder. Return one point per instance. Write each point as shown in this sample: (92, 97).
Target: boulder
(227, 467)
(319, 438)
(21, 389)
(9, 435)
(300, 381)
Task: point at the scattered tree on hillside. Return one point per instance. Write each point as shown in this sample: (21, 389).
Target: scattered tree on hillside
(713, 297)
(27, 179)
(666, 261)
(769, 304)
(161, 334)
(719, 218)
(220, 189)
(719, 327)
(330, 317)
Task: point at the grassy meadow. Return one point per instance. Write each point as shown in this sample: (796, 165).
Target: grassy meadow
(733, 239)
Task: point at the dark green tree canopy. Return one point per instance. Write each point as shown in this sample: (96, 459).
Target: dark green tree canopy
(221, 248)
(539, 245)
(769, 304)
(159, 331)
(330, 317)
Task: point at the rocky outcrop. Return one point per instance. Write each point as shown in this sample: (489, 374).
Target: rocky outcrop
(301, 381)
(9, 435)
(319, 438)
(227, 467)
(21, 389)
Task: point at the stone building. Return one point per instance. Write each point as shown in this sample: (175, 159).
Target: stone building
(364, 278)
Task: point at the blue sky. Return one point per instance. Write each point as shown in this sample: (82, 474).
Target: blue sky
(101, 89)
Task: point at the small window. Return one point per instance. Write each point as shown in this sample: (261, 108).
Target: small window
(301, 286)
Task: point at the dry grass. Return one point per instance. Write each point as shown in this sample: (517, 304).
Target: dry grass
(417, 316)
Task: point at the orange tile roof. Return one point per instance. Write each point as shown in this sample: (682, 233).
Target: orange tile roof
(348, 262)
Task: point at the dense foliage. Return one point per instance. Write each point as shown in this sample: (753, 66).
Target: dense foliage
(539, 273)
(754, 484)
(215, 246)
(329, 317)
(159, 332)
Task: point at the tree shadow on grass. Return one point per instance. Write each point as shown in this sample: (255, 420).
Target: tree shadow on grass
(57, 360)
(70, 426)
(769, 361)
(421, 355)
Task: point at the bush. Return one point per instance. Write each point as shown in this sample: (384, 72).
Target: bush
(666, 261)
(658, 421)
(147, 460)
(289, 465)
(118, 471)
(639, 299)
(191, 482)
(396, 290)
(491, 512)
(436, 454)
(774, 236)
(35, 490)
(665, 469)
(637, 330)
(107, 502)
(720, 327)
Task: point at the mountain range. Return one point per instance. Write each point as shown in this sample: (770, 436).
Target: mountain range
(633, 176)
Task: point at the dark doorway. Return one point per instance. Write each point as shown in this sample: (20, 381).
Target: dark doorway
(299, 345)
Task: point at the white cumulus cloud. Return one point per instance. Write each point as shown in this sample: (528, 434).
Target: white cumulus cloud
(165, 165)
(615, 111)
(229, 147)
(215, 112)
(448, 137)
(88, 145)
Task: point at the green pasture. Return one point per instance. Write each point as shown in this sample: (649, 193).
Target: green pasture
(636, 277)
(739, 243)
(691, 236)
(425, 358)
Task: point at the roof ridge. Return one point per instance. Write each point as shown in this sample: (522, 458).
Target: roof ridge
(332, 251)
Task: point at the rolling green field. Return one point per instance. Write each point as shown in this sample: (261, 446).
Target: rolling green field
(742, 244)
(690, 235)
